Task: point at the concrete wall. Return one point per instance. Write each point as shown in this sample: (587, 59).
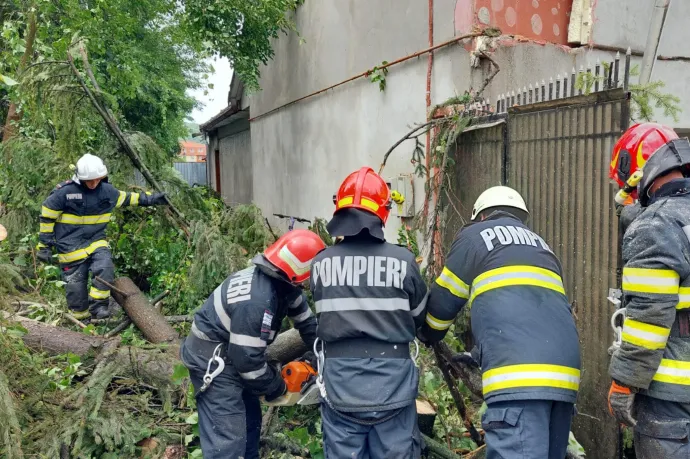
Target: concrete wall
(316, 143)
(301, 154)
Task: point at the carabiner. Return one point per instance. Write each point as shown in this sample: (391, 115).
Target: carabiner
(416, 354)
(617, 330)
(210, 376)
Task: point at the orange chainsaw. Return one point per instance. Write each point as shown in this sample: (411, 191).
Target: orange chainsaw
(300, 378)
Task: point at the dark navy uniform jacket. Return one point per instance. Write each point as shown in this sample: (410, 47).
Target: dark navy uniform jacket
(246, 311)
(370, 298)
(520, 315)
(74, 218)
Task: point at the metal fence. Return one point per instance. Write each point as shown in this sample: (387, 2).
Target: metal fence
(552, 142)
(193, 173)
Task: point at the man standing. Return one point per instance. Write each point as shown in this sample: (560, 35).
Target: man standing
(651, 369)
(73, 220)
(225, 352)
(522, 323)
(369, 297)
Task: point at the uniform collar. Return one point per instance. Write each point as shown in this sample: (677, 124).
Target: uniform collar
(501, 214)
(677, 187)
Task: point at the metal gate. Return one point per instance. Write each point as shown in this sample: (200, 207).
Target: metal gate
(556, 153)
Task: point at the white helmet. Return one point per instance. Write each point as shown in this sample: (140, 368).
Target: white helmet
(498, 196)
(90, 167)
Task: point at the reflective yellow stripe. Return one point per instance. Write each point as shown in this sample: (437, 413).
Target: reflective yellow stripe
(99, 294)
(81, 253)
(121, 199)
(134, 200)
(531, 375)
(438, 324)
(643, 280)
(70, 219)
(368, 203)
(516, 275)
(50, 213)
(516, 269)
(346, 201)
(683, 298)
(47, 227)
(673, 372)
(453, 283)
(645, 335)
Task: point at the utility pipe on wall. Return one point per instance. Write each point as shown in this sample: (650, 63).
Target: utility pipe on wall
(653, 38)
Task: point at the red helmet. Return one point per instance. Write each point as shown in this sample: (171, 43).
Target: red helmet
(634, 148)
(366, 190)
(293, 253)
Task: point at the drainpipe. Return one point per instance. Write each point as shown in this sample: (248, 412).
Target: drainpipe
(653, 38)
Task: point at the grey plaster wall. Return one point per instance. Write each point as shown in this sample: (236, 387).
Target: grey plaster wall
(315, 143)
(236, 177)
(302, 153)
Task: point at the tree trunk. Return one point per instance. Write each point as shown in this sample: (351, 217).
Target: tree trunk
(13, 116)
(58, 340)
(142, 363)
(288, 346)
(152, 323)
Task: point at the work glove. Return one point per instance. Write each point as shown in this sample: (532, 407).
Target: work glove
(466, 358)
(422, 338)
(311, 359)
(45, 255)
(289, 399)
(158, 199)
(281, 397)
(621, 400)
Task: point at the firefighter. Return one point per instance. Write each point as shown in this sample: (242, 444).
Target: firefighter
(527, 344)
(369, 297)
(630, 153)
(73, 220)
(225, 352)
(651, 369)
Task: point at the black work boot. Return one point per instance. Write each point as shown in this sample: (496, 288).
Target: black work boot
(100, 311)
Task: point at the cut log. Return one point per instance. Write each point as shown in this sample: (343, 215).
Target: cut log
(151, 366)
(426, 416)
(152, 323)
(146, 364)
(57, 340)
(288, 346)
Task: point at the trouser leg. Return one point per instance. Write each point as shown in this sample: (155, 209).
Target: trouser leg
(76, 277)
(252, 407)
(559, 428)
(396, 438)
(342, 438)
(517, 429)
(99, 294)
(221, 408)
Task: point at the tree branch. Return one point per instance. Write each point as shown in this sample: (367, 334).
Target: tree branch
(126, 146)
